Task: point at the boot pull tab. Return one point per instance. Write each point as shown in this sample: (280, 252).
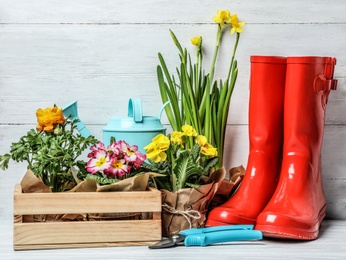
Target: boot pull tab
(321, 83)
(326, 82)
(324, 85)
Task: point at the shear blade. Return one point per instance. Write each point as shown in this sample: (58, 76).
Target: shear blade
(170, 242)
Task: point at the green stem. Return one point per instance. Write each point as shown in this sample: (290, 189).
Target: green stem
(233, 55)
(217, 45)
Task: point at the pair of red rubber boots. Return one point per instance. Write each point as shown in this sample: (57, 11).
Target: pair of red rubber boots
(282, 193)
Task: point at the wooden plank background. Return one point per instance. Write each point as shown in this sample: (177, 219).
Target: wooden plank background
(103, 52)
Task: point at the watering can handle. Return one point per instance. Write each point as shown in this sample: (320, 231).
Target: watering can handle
(135, 109)
(162, 108)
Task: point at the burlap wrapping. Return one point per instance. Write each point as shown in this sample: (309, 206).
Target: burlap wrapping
(187, 208)
(31, 184)
(228, 186)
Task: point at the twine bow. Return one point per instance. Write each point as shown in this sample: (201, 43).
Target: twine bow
(187, 214)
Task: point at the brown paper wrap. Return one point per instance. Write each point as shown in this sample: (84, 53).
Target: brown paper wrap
(187, 208)
(31, 184)
(228, 186)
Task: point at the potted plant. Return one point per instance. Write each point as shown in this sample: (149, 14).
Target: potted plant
(196, 98)
(185, 161)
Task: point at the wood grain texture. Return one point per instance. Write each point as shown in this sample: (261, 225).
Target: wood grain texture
(103, 52)
(29, 234)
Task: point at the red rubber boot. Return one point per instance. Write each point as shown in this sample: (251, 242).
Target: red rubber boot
(298, 206)
(267, 84)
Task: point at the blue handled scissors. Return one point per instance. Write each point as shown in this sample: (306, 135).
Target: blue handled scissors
(210, 235)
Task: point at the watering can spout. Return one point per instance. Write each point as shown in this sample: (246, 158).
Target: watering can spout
(72, 111)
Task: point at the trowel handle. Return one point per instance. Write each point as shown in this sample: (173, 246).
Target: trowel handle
(135, 109)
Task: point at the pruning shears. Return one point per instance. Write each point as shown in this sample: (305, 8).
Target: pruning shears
(210, 235)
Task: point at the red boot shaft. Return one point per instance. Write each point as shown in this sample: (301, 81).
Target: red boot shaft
(297, 207)
(267, 81)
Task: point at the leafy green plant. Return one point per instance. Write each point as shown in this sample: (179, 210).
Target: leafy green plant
(50, 150)
(195, 97)
(182, 157)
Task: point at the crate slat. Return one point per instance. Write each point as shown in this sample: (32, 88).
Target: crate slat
(86, 232)
(86, 202)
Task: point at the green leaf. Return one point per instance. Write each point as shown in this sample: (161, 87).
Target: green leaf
(185, 168)
(195, 152)
(192, 185)
(210, 163)
(4, 160)
(101, 179)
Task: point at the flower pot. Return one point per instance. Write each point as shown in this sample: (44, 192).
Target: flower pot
(187, 208)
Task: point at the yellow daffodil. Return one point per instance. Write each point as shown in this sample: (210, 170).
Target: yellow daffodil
(236, 25)
(197, 40)
(222, 17)
(189, 130)
(48, 119)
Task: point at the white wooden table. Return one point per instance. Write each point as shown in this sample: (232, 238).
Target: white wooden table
(330, 245)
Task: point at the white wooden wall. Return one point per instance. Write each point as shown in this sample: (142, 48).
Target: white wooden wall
(102, 52)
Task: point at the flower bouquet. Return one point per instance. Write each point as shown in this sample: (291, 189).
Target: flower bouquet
(188, 182)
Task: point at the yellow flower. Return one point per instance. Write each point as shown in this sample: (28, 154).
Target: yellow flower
(154, 153)
(155, 150)
(196, 40)
(223, 16)
(236, 25)
(189, 130)
(201, 140)
(48, 119)
(161, 141)
(177, 137)
(209, 150)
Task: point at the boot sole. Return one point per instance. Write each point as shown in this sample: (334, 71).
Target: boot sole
(292, 233)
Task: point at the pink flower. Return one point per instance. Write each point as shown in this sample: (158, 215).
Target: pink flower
(116, 161)
(98, 162)
(96, 148)
(118, 168)
(140, 158)
(114, 148)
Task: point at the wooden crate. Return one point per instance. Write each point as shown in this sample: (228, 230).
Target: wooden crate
(74, 234)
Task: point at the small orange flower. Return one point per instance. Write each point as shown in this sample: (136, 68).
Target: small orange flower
(49, 118)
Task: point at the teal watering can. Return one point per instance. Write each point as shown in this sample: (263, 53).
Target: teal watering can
(71, 110)
(135, 129)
